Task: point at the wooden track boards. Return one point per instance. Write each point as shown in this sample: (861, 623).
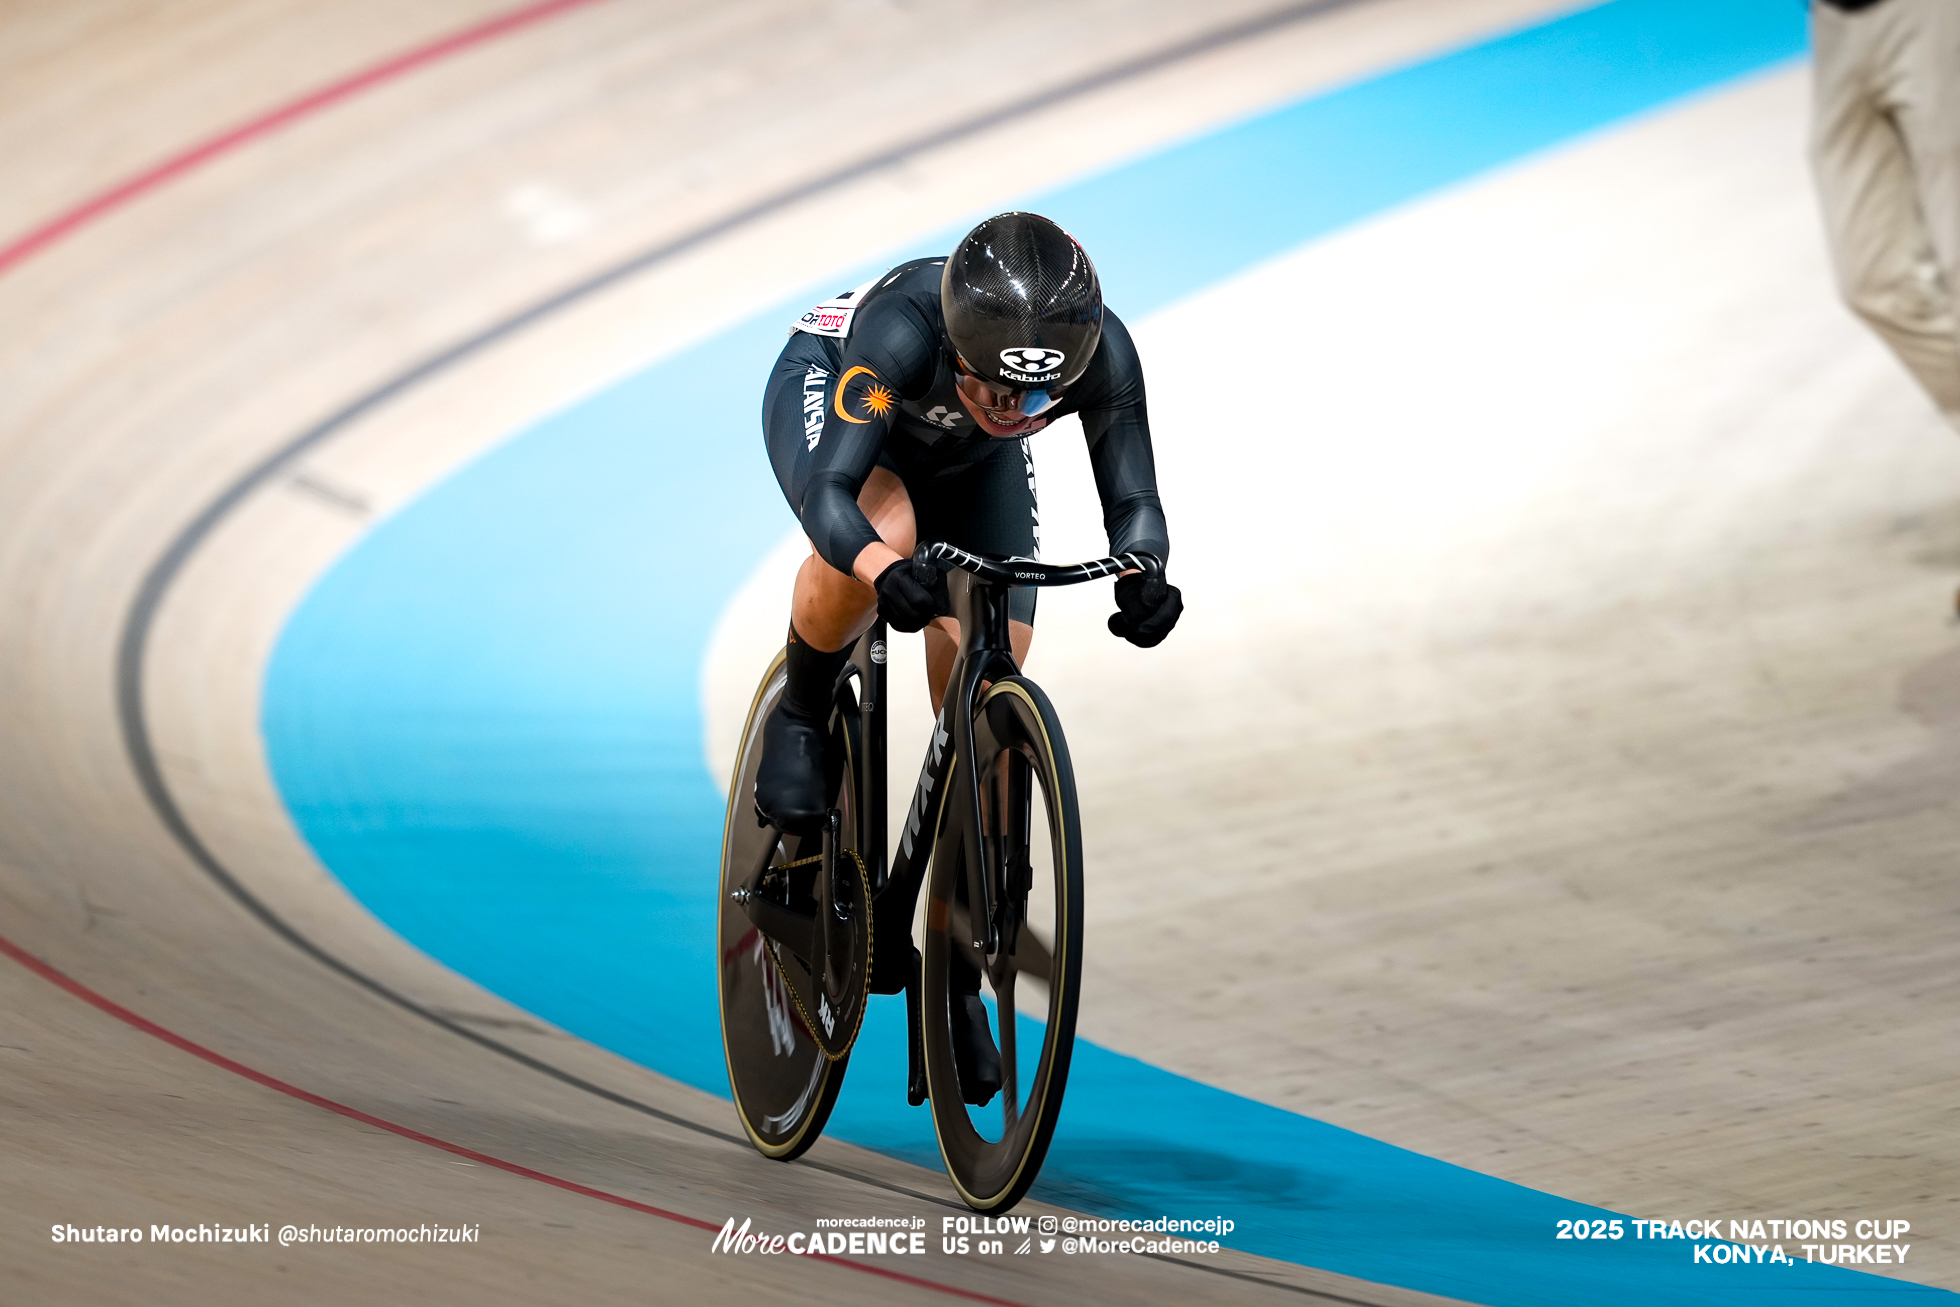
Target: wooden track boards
(156, 354)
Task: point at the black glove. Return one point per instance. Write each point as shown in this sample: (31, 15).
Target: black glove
(1149, 607)
(912, 593)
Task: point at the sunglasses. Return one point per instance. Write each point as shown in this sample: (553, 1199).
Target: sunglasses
(1027, 403)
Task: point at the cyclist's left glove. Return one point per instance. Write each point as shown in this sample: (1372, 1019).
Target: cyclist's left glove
(1148, 607)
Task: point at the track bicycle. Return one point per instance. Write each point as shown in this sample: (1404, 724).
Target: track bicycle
(810, 925)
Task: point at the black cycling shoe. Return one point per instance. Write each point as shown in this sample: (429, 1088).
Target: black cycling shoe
(789, 780)
(974, 1055)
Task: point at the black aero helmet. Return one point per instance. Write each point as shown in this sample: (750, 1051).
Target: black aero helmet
(1023, 305)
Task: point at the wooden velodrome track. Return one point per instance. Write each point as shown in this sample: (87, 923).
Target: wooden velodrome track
(156, 355)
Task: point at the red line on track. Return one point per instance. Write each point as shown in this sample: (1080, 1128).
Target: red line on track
(175, 1040)
(284, 116)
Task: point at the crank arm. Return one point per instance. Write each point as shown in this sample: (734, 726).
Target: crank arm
(762, 861)
(795, 931)
(915, 1081)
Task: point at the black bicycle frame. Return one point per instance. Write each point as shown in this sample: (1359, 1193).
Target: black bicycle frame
(979, 588)
(980, 607)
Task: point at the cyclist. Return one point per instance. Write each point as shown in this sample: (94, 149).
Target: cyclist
(901, 411)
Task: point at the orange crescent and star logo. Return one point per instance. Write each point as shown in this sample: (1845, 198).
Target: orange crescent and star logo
(877, 397)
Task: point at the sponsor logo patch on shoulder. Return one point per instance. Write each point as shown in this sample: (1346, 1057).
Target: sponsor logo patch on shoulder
(833, 316)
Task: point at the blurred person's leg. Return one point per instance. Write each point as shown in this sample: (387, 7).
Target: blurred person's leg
(1885, 145)
(1927, 109)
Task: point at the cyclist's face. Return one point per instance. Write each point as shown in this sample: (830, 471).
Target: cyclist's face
(1002, 407)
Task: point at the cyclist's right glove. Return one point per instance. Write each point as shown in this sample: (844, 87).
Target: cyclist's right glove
(912, 593)
(1148, 607)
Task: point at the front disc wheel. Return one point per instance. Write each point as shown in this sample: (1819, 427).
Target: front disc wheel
(1014, 987)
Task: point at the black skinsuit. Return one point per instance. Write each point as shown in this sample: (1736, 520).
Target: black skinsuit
(899, 408)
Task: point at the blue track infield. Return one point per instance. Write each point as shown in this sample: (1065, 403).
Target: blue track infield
(486, 718)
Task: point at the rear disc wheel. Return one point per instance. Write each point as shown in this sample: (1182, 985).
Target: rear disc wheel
(783, 1081)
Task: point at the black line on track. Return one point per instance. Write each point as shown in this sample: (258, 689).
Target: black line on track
(140, 617)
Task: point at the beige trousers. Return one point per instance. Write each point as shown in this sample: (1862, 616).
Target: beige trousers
(1885, 144)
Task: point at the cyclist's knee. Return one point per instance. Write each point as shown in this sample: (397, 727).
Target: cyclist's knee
(830, 608)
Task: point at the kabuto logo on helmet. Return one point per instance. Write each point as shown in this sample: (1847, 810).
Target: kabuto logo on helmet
(1031, 363)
